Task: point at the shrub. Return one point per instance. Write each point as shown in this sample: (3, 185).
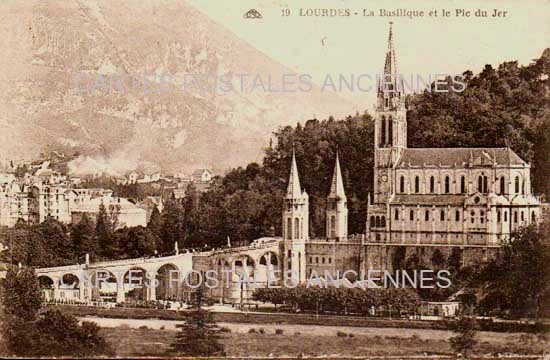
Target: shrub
(261, 331)
(143, 327)
(279, 331)
(341, 334)
(162, 327)
(251, 331)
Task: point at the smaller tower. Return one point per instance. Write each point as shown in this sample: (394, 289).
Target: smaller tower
(295, 226)
(337, 206)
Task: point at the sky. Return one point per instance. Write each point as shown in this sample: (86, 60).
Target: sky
(356, 44)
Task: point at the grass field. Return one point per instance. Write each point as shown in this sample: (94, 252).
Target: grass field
(295, 341)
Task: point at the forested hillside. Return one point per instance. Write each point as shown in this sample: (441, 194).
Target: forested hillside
(509, 105)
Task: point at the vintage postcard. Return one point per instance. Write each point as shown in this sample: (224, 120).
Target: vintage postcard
(275, 179)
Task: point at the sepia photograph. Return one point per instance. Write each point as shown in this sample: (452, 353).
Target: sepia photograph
(268, 179)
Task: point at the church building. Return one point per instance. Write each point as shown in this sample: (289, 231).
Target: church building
(461, 200)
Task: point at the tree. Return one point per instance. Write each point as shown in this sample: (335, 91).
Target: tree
(104, 232)
(172, 226)
(28, 333)
(83, 238)
(61, 334)
(464, 340)
(199, 335)
(517, 281)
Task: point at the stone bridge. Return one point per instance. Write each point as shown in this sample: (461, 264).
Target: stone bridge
(142, 278)
(166, 278)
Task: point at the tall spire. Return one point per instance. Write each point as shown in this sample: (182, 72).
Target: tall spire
(337, 186)
(293, 191)
(391, 83)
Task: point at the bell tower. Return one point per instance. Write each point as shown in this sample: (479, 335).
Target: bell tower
(390, 130)
(295, 227)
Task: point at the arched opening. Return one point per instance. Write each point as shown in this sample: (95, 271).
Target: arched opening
(411, 215)
(383, 221)
(447, 185)
(135, 283)
(533, 217)
(383, 131)
(46, 286)
(69, 287)
(432, 184)
(480, 184)
(168, 284)
(296, 228)
(396, 214)
(462, 185)
(377, 221)
(501, 185)
(485, 184)
(289, 229)
(263, 260)
(333, 226)
(523, 187)
(104, 285)
(390, 131)
(427, 215)
(457, 215)
(372, 222)
(517, 185)
(402, 184)
(442, 215)
(416, 184)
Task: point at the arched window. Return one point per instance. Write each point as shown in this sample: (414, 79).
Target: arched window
(457, 215)
(411, 215)
(383, 221)
(390, 131)
(402, 184)
(289, 229)
(432, 184)
(416, 184)
(482, 216)
(502, 185)
(517, 185)
(515, 216)
(523, 188)
(522, 217)
(533, 217)
(378, 221)
(505, 216)
(427, 215)
(333, 226)
(462, 185)
(498, 216)
(480, 184)
(396, 214)
(447, 185)
(372, 222)
(296, 228)
(383, 131)
(485, 185)
(442, 215)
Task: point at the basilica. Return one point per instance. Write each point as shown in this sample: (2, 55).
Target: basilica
(456, 200)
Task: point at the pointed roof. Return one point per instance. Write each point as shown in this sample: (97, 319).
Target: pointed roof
(293, 191)
(390, 68)
(337, 186)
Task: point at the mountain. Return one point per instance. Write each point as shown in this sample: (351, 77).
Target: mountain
(57, 55)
